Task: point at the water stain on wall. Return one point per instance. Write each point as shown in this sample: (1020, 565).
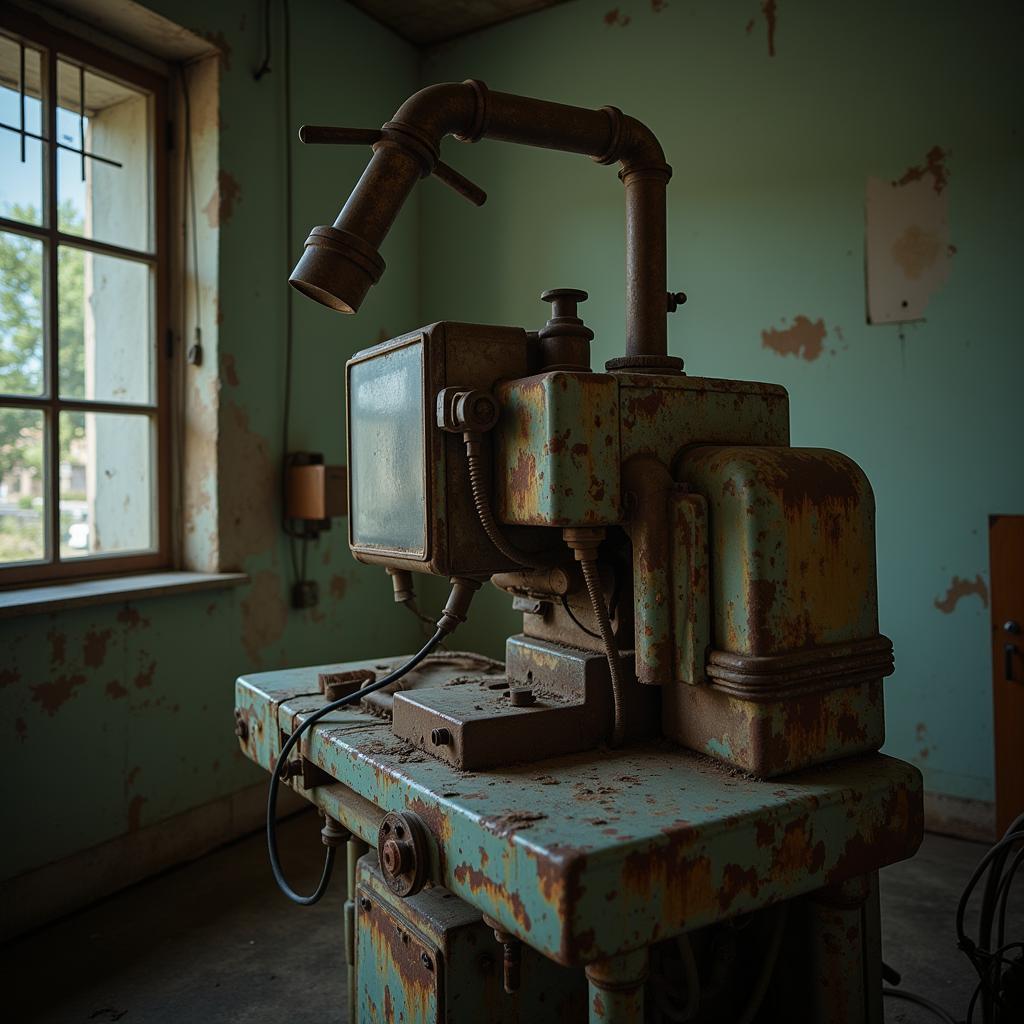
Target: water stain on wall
(338, 586)
(248, 490)
(768, 10)
(264, 615)
(223, 47)
(228, 371)
(916, 250)
(958, 589)
(221, 204)
(804, 338)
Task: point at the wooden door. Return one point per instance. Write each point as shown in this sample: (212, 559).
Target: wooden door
(1006, 558)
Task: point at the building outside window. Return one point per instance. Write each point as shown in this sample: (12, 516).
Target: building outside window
(84, 439)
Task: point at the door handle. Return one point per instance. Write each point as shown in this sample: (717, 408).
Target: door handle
(1009, 649)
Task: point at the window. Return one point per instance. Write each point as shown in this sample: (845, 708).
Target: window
(83, 310)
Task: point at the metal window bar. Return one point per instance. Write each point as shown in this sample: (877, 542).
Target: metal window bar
(51, 403)
(21, 95)
(24, 133)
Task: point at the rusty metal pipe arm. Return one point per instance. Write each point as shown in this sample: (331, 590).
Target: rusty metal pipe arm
(341, 262)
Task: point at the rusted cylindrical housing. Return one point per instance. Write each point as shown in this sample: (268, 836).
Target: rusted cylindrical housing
(341, 262)
(649, 485)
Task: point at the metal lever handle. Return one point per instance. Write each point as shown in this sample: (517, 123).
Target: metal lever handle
(322, 134)
(319, 134)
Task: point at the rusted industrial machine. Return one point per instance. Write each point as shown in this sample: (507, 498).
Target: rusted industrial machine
(673, 781)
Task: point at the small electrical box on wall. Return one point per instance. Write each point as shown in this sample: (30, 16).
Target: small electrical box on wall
(314, 493)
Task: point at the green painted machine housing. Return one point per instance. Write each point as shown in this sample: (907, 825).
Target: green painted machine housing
(429, 958)
(756, 609)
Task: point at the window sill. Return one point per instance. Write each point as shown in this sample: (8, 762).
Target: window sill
(58, 596)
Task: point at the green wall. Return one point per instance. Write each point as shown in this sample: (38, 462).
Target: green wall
(118, 717)
(766, 221)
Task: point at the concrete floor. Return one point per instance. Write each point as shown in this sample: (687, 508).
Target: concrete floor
(214, 941)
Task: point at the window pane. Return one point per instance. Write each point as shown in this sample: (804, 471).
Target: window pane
(21, 180)
(106, 484)
(22, 490)
(106, 199)
(21, 315)
(106, 327)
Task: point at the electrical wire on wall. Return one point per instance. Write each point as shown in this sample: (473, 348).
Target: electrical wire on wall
(190, 278)
(299, 532)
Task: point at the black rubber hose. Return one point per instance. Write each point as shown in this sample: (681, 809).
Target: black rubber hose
(282, 760)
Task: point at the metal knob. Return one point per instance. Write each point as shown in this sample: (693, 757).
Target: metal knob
(565, 339)
(564, 301)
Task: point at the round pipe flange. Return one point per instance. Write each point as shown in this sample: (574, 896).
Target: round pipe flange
(404, 852)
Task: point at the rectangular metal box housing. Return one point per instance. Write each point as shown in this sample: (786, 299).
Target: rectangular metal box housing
(409, 493)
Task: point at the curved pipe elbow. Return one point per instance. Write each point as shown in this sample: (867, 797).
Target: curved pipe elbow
(448, 108)
(640, 149)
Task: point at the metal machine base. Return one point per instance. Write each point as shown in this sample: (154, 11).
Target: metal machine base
(599, 862)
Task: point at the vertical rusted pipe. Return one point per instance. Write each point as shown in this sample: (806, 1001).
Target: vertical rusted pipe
(617, 988)
(646, 286)
(649, 486)
(844, 948)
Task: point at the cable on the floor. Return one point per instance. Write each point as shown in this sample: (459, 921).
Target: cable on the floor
(913, 997)
(999, 976)
(282, 760)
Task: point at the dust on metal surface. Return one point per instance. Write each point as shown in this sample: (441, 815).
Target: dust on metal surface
(674, 840)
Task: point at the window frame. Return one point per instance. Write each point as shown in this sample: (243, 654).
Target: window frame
(51, 41)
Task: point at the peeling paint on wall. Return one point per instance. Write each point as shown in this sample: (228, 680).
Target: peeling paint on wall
(249, 491)
(130, 617)
(9, 676)
(934, 167)
(94, 647)
(223, 47)
(338, 586)
(958, 589)
(230, 375)
(264, 615)
(221, 204)
(615, 17)
(55, 693)
(803, 339)
(114, 690)
(144, 677)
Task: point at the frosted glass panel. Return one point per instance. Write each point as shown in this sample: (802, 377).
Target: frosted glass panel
(386, 434)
